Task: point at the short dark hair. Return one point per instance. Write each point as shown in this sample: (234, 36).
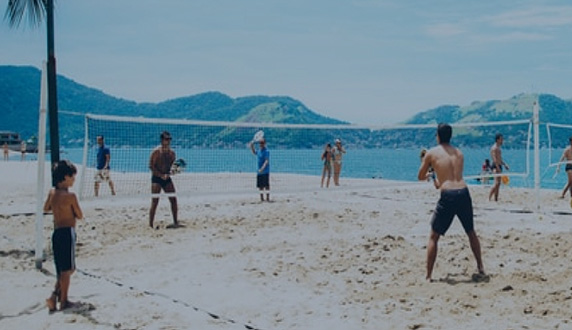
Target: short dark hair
(498, 136)
(165, 135)
(444, 132)
(62, 169)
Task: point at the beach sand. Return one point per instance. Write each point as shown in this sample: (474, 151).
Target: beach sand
(339, 258)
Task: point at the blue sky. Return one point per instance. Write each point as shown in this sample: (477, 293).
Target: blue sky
(363, 61)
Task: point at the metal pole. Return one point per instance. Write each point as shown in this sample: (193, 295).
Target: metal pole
(39, 251)
(52, 89)
(536, 122)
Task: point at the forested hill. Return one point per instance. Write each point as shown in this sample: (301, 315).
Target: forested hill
(20, 93)
(552, 109)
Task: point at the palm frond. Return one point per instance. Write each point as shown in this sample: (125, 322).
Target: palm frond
(17, 9)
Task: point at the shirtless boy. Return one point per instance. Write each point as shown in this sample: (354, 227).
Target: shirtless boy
(447, 162)
(162, 158)
(65, 208)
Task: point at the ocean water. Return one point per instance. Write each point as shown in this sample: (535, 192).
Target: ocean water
(392, 164)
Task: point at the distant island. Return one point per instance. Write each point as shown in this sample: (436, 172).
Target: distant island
(20, 90)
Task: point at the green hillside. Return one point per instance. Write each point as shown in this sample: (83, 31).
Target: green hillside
(552, 110)
(20, 93)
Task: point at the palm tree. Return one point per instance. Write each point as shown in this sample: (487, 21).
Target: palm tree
(36, 10)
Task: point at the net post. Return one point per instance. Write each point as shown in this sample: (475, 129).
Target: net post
(535, 120)
(39, 250)
(84, 158)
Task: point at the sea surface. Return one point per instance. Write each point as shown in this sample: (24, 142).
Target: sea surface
(392, 164)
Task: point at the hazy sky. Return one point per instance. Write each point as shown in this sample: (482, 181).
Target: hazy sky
(363, 61)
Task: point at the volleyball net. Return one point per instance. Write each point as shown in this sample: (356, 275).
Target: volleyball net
(217, 156)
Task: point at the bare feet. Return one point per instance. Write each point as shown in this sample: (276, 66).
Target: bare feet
(51, 303)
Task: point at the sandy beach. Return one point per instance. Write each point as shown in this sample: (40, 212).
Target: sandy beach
(348, 257)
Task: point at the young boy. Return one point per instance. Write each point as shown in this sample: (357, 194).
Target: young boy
(65, 208)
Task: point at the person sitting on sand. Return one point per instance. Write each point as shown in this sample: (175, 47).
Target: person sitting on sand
(486, 170)
(448, 162)
(65, 208)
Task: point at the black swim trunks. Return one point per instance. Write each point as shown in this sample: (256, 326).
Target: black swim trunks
(63, 245)
(494, 167)
(162, 182)
(453, 202)
(263, 181)
(568, 167)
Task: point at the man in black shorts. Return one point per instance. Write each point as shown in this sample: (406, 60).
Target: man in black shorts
(447, 162)
(497, 165)
(162, 158)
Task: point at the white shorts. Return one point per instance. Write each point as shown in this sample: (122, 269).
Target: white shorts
(102, 175)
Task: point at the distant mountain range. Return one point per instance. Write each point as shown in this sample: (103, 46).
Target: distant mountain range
(20, 92)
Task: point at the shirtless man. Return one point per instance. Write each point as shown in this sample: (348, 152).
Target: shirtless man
(447, 162)
(162, 158)
(65, 208)
(567, 157)
(497, 165)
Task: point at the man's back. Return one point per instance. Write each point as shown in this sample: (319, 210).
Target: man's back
(568, 153)
(448, 162)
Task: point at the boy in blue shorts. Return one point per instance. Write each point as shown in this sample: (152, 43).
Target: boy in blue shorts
(65, 208)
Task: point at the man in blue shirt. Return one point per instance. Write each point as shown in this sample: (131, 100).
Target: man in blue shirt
(102, 174)
(263, 174)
